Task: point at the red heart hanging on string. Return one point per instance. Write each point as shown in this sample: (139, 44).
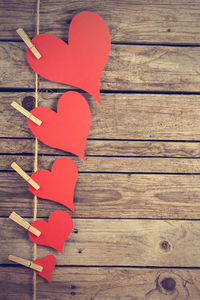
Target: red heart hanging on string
(78, 63)
(59, 184)
(54, 232)
(67, 129)
(48, 263)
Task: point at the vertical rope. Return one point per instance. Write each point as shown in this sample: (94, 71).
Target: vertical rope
(36, 161)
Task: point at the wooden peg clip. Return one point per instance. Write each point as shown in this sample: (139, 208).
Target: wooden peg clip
(19, 220)
(25, 176)
(26, 113)
(25, 262)
(28, 42)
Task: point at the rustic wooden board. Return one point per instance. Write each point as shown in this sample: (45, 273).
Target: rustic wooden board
(129, 67)
(112, 196)
(109, 164)
(128, 21)
(131, 133)
(102, 283)
(109, 148)
(122, 116)
(103, 242)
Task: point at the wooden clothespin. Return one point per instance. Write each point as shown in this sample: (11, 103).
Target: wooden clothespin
(28, 42)
(26, 113)
(19, 220)
(25, 262)
(25, 176)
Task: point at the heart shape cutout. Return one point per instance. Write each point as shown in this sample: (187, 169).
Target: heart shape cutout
(48, 263)
(67, 129)
(59, 184)
(80, 62)
(54, 232)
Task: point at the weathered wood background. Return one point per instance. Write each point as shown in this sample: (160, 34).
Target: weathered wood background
(137, 222)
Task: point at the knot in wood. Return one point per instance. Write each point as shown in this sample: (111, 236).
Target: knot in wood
(168, 284)
(165, 245)
(28, 102)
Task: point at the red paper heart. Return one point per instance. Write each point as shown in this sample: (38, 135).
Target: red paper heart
(78, 63)
(59, 184)
(68, 128)
(48, 263)
(54, 232)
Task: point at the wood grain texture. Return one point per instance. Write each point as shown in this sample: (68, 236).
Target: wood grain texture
(128, 21)
(131, 133)
(109, 148)
(102, 284)
(103, 242)
(122, 116)
(112, 196)
(129, 68)
(109, 164)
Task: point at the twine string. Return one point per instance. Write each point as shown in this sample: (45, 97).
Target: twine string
(36, 161)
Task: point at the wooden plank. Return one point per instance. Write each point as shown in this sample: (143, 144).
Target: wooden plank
(128, 21)
(106, 242)
(14, 65)
(102, 283)
(122, 116)
(129, 67)
(112, 196)
(109, 164)
(109, 148)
